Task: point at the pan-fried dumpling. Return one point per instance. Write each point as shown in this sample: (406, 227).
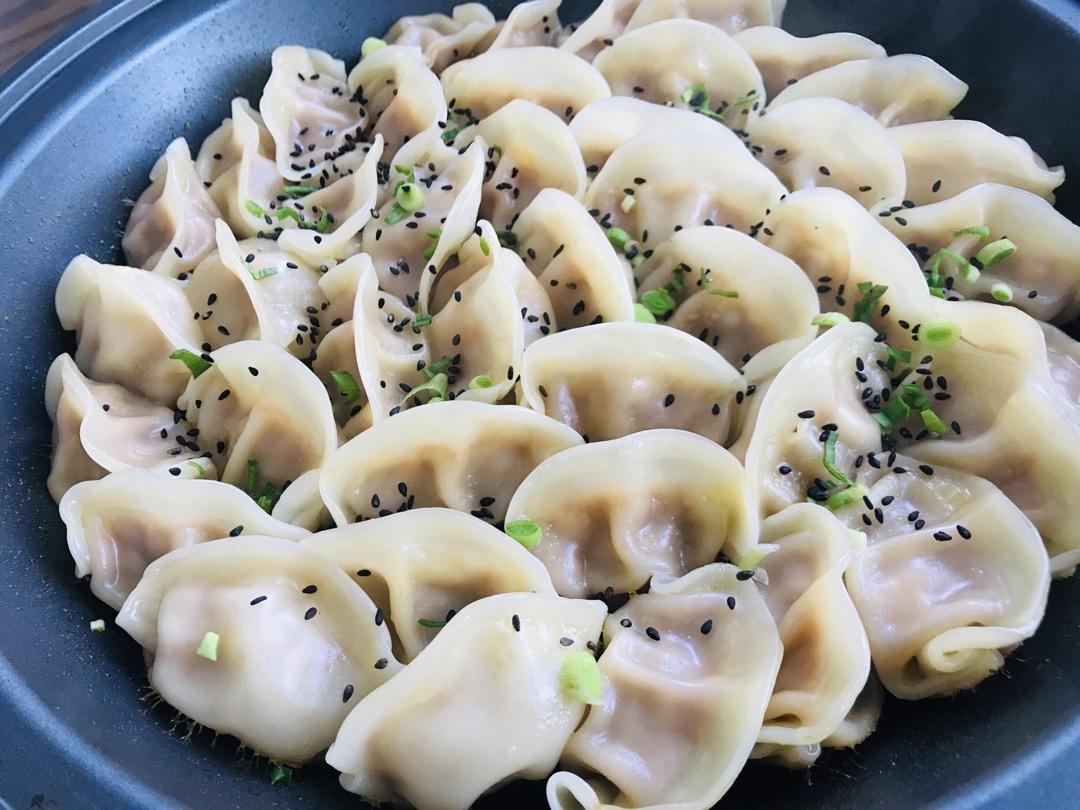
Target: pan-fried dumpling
(552, 78)
(535, 22)
(120, 524)
(224, 147)
(680, 179)
(755, 319)
(309, 109)
(840, 246)
(443, 39)
(254, 290)
(294, 644)
(422, 567)
(826, 655)
(688, 670)
(100, 427)
(465, 455)
(944, 158)
(529, 150)
(613, 379)
(1042, 275)
(903, 89)
(481, 705)
(127, 322)
(583, 276)
(262, 413)
(613, 514)
(605, 125)
(406, 246)
(171, 227)
(784, 58)
(827, 142)
(685, 63)
(470, 349)
(400, 94)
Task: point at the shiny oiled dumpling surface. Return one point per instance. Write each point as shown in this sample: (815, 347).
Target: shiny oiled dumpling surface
(605, 404)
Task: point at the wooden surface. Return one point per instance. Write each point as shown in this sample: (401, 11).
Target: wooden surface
(25, 24)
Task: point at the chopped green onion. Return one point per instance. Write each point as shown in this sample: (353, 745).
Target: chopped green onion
(749, 98)
(1001, 292)
(367, 48)
(638, 260)
(421, 320)
(975, 230)
(435, 234)
(485, 248)
(346, 382)
(507, 239)
(208, 647)
(715, 116)
(580, 678)
(195, 364)
(938, 333)
(408, 172)
(481, 381)
(658, 302)
(642, 314)
(289, 213)
(676, 286)
(323, 225)
(200, 470)
(901, 355)
(618, 237)
(431, 249)
(829, 458)
(933, 422)
(864, 307)
(933, 276)
(262, 272)
(280, 775)
(437, 385)
(438, 367)
(525, 532)
(449, 135)
(829, 319)
(409, 197)
(696, 95)
(913, 396)
(431, 622)
(252, 476)
(628, 202)
(937, 292)
(883, 420)
(848, 496)
(724, 293)
(753, 557)
(97, 626)
(299, 191)
(255, 209)
(269, 498)
(897, 410)
(996, 252)
(395, 214)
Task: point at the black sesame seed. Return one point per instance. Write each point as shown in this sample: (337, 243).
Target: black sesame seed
(963, 531)
(254, 372)
(706, 628)
(652, 633)
(731, 602)
(926, 469)
(379, 617)
(941, 537)
(807, 414)
(515, 620)
(310, 613)
(669, 400)
(742, 576)
(381, 663)
(566, 642)
(364, 572)
(784, 469)
(174, 470)
(347, 694)
(626, 622)
(257, 600)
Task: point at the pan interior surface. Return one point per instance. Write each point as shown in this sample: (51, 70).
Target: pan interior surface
(81, 123)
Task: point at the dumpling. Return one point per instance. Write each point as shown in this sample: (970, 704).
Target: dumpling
(944, 158)
(171, 227)
(338, 368)
(1040, 275)
(443, 39)
(301, 505)
(756, 319)
(826, 659)
(464, 455)
(827, 142)
(576, 265)
(605, 125)
(549, 77)
(289, 644)
(688, 670)
(613, 514)
(424, 566)
(903, 89)
(101, 427)
(678, 180)
(468, 349)
(224, 148)
(309, 110)
(400, 94)
(254, 290)
(534, 22)
(784, 58)
(127, 322)
(120, 524)
(613, 379)
(685, 62)
(407, 247)
(529, 150)
(263, 414)
(481, 705)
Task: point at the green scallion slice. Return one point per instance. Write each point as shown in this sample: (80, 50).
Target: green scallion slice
(431, 622)
(409, 197)
(865, 306)
(195, 364)
(996, 252)
(485, 248)
(933, 422)
(299, 191)
(289, 213)
(252, 476)
(884, 421)
(724, 293)
(262, 272)
(395, 214)
(436, 386)
(896, 409)
(200, 470)
(618, 237)
(658, 302)
(939, 333)
(1001, 292)
(437, 367)
(349, 387)
(526, 532)
(208, 647)
(749, 98)
(97, 626)
(696, 95)
(254, 208)
(914, 396)
(829, 319)
(421, 320)
(753, 557)
(846, 497)
(323, 225)
(449, 135)
(280, 775)
(367, 48)
(580, 678)
(507, 239)
(642, 314)
(828, 458)
(975, 230)
(481, 381)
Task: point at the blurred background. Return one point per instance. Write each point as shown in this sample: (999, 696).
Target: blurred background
(25, 24)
